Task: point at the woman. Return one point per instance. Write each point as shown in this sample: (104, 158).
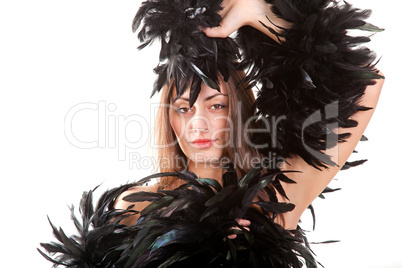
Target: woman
(201, 138)
(311, 181)
(317, 94)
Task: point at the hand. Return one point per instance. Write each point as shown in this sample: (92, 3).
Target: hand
(243, 223)
(238, 13)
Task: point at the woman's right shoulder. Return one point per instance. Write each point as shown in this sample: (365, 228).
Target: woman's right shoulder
(120, 203)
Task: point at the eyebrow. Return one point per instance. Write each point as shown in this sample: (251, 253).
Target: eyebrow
(206, 99)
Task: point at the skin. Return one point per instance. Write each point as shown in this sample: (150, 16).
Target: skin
(238, 13)
(310, 181)
(206, 119)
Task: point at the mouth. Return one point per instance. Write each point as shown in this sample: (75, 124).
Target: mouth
(202, 143)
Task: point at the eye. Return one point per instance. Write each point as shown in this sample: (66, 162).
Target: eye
(217, 106)
(183, 110)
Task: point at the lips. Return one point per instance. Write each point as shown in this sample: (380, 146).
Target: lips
(202, 143)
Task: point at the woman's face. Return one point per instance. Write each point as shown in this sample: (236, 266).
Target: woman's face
(201, 130)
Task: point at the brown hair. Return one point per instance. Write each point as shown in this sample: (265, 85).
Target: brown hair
(171, 158)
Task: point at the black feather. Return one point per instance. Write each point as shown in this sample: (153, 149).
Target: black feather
(356, 163)
(317, 76)
(187, 54)
(311, 83)
(186, 226)
(99, 242)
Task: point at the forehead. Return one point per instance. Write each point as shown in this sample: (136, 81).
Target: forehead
(205, 91)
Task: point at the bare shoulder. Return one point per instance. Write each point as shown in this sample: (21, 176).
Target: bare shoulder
(138, 206)
(122, 204)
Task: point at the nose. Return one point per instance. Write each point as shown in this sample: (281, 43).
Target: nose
(200, 130)
(199, 124)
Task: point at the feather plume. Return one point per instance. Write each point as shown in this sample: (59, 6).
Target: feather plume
(187, 55)
(312, 82)
(186, 226)
(318, 65)
(100, 239)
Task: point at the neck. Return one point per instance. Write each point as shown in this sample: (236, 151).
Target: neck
(206, 170)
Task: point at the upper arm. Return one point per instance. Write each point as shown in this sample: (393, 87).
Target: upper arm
(310, 182)
(138, 206)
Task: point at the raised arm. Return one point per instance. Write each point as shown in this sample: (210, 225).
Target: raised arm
(307, 65)
(311, 182)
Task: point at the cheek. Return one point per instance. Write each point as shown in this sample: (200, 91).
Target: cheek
(221, 128)
(178, 124)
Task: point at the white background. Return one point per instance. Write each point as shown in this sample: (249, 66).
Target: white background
(58, 54)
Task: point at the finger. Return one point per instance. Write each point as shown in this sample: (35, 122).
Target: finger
(243, 222)
(230, 23)
(232, 236)
(218, 32)
(246, 228)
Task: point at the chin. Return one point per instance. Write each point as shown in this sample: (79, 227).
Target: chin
(206, 157)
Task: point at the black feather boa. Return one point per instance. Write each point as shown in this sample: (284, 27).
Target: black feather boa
(186, 227)
(318, 71)
(187, 54)
(312, 82)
